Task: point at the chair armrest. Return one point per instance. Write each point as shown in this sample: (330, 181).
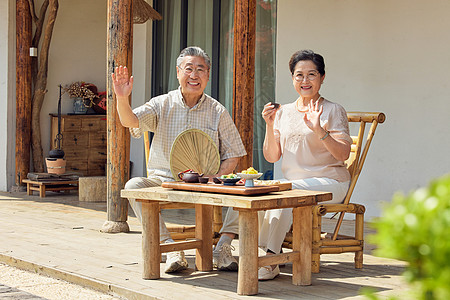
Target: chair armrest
(323, 209)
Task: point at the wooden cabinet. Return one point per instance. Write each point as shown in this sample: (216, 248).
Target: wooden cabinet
(84, 142)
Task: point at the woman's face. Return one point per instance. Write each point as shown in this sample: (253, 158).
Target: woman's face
(307, 79)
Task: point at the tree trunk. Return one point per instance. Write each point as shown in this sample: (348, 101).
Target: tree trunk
(40, 89)
(119, 52)
(244, 75)
(23, 90)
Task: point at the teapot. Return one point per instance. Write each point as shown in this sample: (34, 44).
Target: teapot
(189, 176)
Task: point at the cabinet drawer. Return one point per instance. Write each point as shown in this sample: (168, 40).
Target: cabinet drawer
(97, 167)
(71, 124)
(77, 166)
(74, 153)
(74, 139)
(97, 154)
(93, 124)
(98, 140)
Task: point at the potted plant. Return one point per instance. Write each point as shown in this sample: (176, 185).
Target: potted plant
(83, 95)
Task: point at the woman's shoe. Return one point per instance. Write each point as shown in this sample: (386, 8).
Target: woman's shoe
(266, 273)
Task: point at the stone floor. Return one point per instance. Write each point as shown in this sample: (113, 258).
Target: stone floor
(59, 236)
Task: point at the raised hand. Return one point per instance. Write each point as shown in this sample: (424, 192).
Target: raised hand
(269, 112)
(312, 116)
(122, 82)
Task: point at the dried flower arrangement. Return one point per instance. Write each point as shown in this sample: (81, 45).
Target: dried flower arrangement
(92, 98)
(80, 89)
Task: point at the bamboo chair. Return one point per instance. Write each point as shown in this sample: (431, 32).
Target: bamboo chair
(324, 243)
(181, 232)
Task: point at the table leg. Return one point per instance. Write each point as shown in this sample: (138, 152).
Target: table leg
(151, 252)
(42, 191)
(203, 227)
(302, 242)
(29, 190)
(248, 253)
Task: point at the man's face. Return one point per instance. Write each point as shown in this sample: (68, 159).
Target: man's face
(193, 76)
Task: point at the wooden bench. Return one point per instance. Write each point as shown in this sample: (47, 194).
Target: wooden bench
(50, 185)
(248, 206)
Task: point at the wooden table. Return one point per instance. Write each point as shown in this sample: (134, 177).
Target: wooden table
(49, 185)
(248, 206)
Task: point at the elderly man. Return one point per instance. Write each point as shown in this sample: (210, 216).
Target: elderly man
(167, 116)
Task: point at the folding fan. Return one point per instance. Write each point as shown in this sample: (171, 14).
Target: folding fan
(194, 149)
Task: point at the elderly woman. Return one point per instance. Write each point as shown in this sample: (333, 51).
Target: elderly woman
(311, 136)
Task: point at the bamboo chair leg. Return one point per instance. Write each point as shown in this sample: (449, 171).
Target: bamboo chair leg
(217, 219)
(359, 235)
(315, 256)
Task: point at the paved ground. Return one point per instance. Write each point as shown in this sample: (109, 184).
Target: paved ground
(19, 284)
(59, 236)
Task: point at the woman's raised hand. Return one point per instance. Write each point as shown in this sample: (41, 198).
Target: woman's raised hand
(269, 112)
(312, 116)
(122, 82)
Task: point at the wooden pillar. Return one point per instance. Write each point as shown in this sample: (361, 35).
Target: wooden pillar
(119, 52)
(23, 90)
(244, 74)
(248, 252)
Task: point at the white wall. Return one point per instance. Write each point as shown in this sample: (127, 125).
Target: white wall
(4, 18)
(388, 56)
(7, 81)
(77, 53)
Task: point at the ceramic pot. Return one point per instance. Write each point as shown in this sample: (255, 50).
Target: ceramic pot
(189, 176)
(56, 165)
(79, 106)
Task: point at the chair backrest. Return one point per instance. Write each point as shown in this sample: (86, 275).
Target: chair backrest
(359, 151)
(146, 148)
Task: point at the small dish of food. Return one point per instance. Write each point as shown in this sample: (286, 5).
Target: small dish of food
(229, 179)
(249, 175)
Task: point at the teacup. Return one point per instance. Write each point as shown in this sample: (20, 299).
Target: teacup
(203, 179)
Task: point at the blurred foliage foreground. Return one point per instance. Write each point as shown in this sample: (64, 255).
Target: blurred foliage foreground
(416, 229)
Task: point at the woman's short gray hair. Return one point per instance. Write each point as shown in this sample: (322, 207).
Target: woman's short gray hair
(193, 51)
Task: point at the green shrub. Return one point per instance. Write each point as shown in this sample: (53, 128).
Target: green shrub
(416, 229)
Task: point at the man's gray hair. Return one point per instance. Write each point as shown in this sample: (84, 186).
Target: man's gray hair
(194, 51)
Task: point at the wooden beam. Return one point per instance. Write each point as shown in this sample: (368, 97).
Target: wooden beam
(23, 90)
(244, 75)
(119, 52)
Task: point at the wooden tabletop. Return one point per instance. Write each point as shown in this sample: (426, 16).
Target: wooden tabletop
(291, 198)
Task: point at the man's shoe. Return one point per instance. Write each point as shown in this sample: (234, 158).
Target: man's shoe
(223, 260)
(266, 273)
(175, 262)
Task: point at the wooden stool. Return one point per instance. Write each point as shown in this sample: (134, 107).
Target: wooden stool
(50, 185)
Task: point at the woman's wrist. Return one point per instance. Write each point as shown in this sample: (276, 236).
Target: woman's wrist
(325, 135)
(322, 134)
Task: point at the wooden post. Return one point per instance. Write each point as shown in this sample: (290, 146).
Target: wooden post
(23, 90)
(203, 225)
(244, 75)
(248, 253)
(302, 243)
(151, 252)
(119, 52)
